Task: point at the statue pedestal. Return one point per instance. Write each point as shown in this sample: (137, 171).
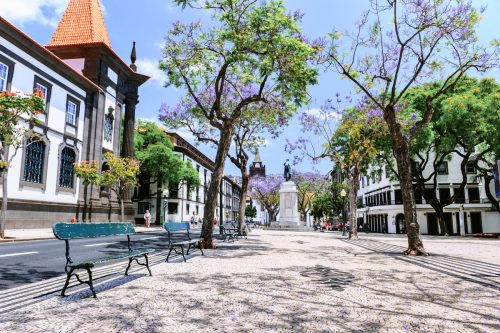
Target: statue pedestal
(289, 212)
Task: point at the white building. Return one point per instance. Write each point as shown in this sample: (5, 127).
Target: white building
(41, 177)
(89, 92)
(176, 203)
(380, 204)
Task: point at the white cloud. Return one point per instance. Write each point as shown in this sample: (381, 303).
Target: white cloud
(46, 12)
(150, 68)
(318, 113)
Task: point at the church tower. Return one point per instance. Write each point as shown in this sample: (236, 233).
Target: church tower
(81, 40)
(257, 168)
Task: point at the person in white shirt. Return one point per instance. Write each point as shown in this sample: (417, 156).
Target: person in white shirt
(147, 218)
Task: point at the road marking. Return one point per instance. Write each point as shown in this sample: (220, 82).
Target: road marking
(16, 254)
(149, 238)
(100, 244)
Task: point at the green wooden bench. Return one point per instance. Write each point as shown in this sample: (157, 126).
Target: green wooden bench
(229, 232)
(174, 242)
(67, 231)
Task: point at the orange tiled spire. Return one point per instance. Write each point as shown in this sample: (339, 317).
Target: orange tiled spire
(82, 23)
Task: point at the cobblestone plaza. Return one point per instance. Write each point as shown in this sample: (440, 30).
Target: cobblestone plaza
(278, 281)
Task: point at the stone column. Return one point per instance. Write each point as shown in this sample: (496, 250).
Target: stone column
(289, 212)
(128, 126)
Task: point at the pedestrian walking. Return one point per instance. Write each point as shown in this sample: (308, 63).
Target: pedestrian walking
(192, 221)
(147, 218)
(196, 220)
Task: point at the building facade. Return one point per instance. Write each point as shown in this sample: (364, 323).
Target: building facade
(380, 203)
(41, 180)
(89, 93)
(177, 203)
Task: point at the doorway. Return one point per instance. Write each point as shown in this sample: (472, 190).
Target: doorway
(400, 224)
(432, 225)
(476, 223)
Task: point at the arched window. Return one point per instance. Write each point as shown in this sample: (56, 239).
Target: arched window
(33, 162)
(66, 171)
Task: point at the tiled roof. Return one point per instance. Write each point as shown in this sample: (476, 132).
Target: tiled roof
(82, 23)
(47, 55)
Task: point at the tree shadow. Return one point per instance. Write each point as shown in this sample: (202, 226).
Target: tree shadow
(475, 271)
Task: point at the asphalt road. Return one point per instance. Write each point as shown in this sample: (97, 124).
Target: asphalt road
(22, 263)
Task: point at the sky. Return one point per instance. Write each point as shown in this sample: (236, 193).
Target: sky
(147, 22)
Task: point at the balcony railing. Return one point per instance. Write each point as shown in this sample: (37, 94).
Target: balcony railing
(420, 202)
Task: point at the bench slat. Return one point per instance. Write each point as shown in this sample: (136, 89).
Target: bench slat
(91, 262)
(192, 241)
(91, 230)
(175, 227)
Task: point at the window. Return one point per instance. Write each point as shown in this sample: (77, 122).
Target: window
(71, 112)
(473, 195)
(33, 162)
(442, 169)
(173, 191)
(187, 208)
(459, 195)
(4, 72)
(444, 195)
(142, 207)
(45, 90)
(470, 168)
(173, 207)
(397, 197)
(66, 171)
(418, 195)
(108, 125)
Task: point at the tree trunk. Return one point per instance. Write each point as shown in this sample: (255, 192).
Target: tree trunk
(353, 195)
(213, 190)
(85, 202)
(487, 180)
(440, 219)
(402, 154)
(3, 213)
(243, 197)
(401, 151)
(158, 201)
(122, 209)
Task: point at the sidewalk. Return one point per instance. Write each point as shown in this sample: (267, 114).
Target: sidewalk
(19, 235)
(288, 282)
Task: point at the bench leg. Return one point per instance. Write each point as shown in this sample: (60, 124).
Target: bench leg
(182, 252)
(147, 264)
(90, 282)
(171, 248)
(128, 267)
(68, 277)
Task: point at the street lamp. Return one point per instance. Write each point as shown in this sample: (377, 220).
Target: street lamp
(343, 194)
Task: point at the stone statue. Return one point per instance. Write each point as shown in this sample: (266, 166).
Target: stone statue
(287, 175)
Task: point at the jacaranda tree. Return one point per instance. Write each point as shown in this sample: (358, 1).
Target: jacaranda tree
(252, 54)
(347, 136)
(266, 191)
(399, 44)
(309, 184)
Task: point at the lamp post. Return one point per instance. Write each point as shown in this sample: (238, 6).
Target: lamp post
(343, 194)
